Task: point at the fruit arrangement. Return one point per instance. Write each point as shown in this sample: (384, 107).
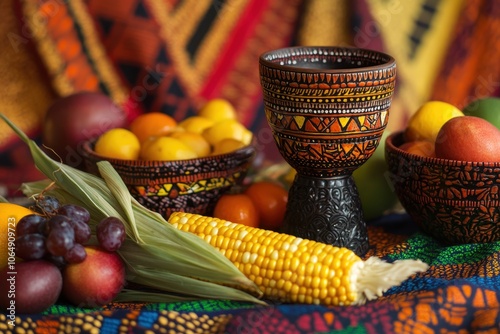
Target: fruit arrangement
(60, 232)
(157, 136)
(192, 256)
(53, 243)
(441, 130)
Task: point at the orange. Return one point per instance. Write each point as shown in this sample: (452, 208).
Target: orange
(270, 200)
(118, 143)
(10, 214)
(237, 208)
(152, 124)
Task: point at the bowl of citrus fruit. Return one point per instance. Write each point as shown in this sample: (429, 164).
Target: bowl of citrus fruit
(171, 165)
(445, 169)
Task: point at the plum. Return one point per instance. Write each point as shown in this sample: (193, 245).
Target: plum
(29, 287)
(76, 118)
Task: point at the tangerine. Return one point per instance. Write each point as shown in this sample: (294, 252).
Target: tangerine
(152, 124)
(237, 208)
(270, 200)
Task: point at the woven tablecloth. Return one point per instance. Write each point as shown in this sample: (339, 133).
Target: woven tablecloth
(460, 292)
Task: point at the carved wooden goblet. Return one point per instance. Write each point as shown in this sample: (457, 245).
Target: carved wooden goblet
(327, 108)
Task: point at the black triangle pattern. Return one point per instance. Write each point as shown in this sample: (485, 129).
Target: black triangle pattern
(130, 72)
(141, 10)
(105, 24)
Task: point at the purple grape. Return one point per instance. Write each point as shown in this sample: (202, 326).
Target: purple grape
(47, 205)
(57, 260)
(75, 212)
(60, 239)
(110, 233)
(30, 247)
(82, 231)
(55, 222)
(29, 224)
(76, 254)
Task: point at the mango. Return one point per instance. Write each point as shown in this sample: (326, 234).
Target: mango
(468, 138)
(487, 108)
(375, 190)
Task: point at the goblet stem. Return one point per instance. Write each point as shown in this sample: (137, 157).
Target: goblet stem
(327, 210)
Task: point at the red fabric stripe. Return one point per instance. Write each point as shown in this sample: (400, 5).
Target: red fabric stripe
(233, 47)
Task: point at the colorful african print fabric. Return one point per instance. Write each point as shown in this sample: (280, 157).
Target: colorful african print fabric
(460, 293)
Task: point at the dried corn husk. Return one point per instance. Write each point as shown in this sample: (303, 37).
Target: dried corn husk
(179, 264)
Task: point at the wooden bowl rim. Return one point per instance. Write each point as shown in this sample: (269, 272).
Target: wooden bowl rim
(246, 152)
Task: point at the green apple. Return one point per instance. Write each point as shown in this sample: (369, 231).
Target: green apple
(375, 190)
(487, 108)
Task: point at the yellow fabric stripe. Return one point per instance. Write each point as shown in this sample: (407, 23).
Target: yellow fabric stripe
(325, 22)
(98, 53)
(177, 28)
(396, 20)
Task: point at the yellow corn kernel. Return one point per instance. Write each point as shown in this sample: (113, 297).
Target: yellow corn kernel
(293, 269)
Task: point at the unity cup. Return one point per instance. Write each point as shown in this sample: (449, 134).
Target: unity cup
(327, 108)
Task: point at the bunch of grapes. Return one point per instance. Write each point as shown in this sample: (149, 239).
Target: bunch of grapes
(59, 232)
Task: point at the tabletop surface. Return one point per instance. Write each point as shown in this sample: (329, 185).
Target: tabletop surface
(460, 291)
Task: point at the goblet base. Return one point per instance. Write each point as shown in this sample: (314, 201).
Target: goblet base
(327, 210)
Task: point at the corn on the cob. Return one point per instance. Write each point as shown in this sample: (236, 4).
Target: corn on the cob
(292, 269)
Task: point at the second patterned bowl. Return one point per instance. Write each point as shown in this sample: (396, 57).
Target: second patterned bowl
(456, 202)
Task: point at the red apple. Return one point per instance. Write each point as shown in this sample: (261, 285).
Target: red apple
(468, 138)
(96, 281)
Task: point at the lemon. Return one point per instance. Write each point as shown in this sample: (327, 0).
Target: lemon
(196, 124)
(118, 143)
(227, 145)
(195, 141)
(10, 214)
(426, 122)
(166, 148)
(229, 128)
(218, 110)
(247, 137)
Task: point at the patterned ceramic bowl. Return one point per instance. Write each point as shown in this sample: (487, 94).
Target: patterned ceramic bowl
(192, 185)
(456, 202)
